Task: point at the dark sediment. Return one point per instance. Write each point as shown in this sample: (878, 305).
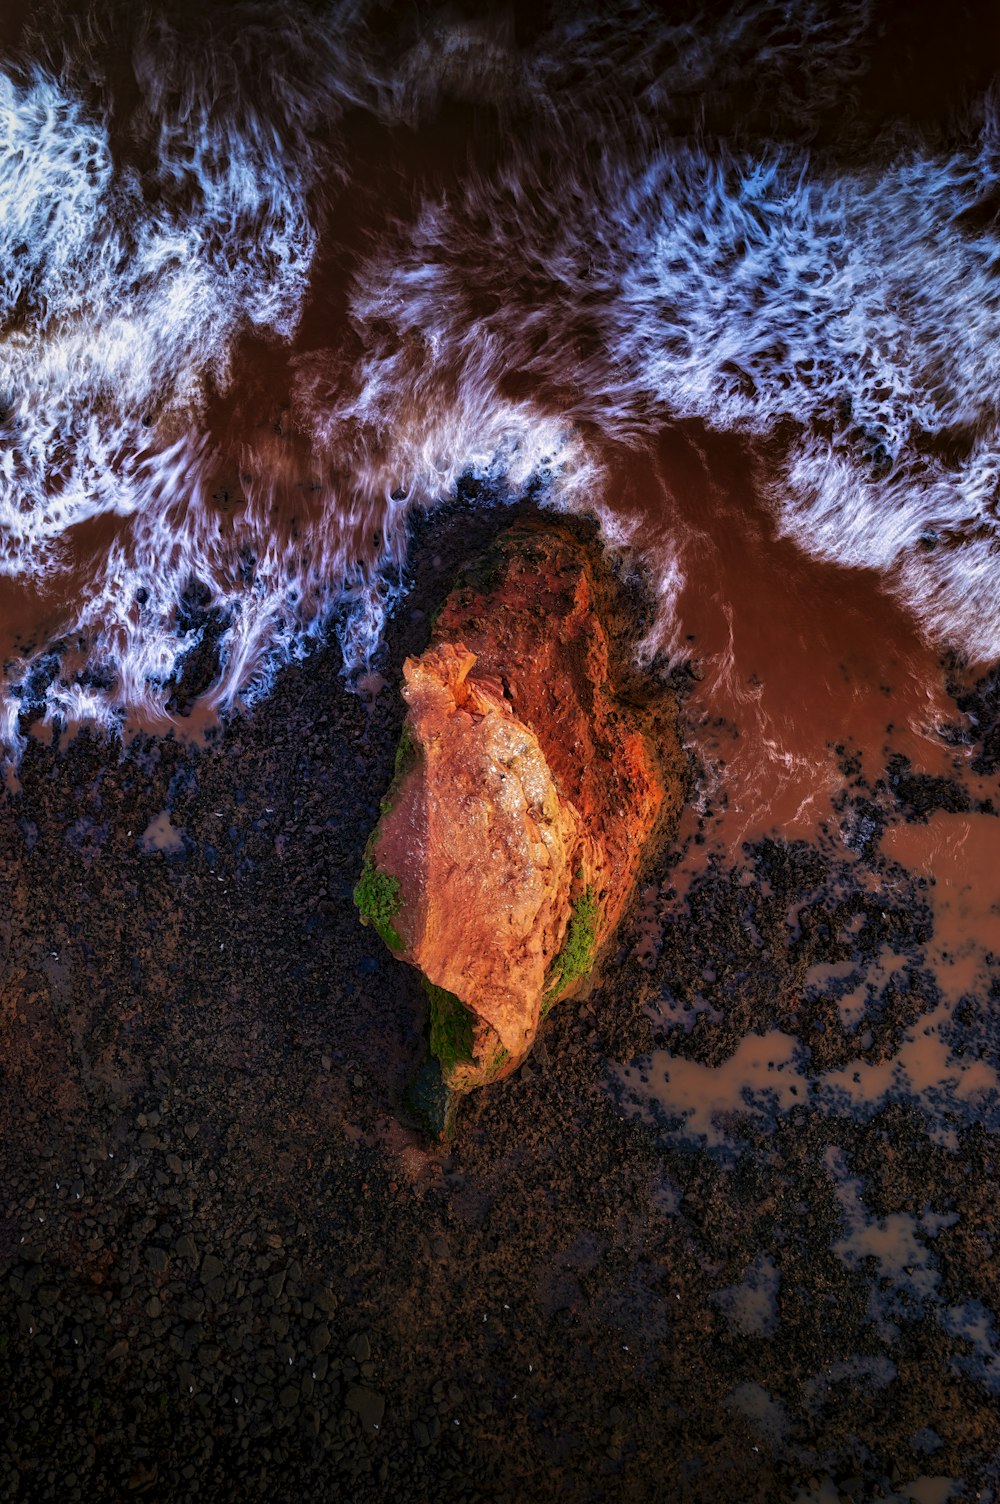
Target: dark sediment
(231, 1271)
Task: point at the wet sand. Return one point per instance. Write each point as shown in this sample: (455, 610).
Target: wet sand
(231, 1269)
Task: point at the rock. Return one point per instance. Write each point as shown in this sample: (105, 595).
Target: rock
(368, 1406)
(157, 1259)
(526, 788)
(211, 1268)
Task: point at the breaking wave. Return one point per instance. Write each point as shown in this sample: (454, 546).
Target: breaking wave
(252, 313)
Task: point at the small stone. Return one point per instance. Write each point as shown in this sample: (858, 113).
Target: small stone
(153, 1307)
(289, 1396)
(359, 1080)
(118, 1351)
(186, 1248)
(211, 1268)
(276, 1284)
(320, 1338)
(367, 1405)
(191, 1130)
(359, 1347)
(157, 1259)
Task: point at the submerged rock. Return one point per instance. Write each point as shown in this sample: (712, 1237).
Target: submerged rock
(526, 788)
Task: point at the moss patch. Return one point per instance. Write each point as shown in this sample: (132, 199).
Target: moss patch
(407, 752)
(496, 1065)
(378, 902)
(451, 1029)
(577, 955)
(484, 574)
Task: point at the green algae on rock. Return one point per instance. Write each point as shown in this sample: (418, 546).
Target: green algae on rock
(526, 787)
(576, 959)
(376, 896)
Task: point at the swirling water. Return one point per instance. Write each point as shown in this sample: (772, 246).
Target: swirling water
(272, 278)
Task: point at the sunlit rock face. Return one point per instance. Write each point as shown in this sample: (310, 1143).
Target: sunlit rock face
(486, 849)
(526, 790)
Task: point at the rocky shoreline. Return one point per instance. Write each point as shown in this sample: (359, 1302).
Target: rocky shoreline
(230, 1268)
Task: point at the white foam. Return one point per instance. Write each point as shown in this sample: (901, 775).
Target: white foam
(628, 270)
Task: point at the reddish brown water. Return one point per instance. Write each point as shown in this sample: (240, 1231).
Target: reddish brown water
(797, 656)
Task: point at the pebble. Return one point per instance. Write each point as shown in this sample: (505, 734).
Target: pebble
(367, 1405)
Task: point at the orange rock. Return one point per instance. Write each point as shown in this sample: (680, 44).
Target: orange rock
(525, 794)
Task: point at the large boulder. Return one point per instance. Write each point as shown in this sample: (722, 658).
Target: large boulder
(526, 789)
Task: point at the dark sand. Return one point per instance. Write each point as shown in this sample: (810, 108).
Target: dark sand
(230, 1271)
